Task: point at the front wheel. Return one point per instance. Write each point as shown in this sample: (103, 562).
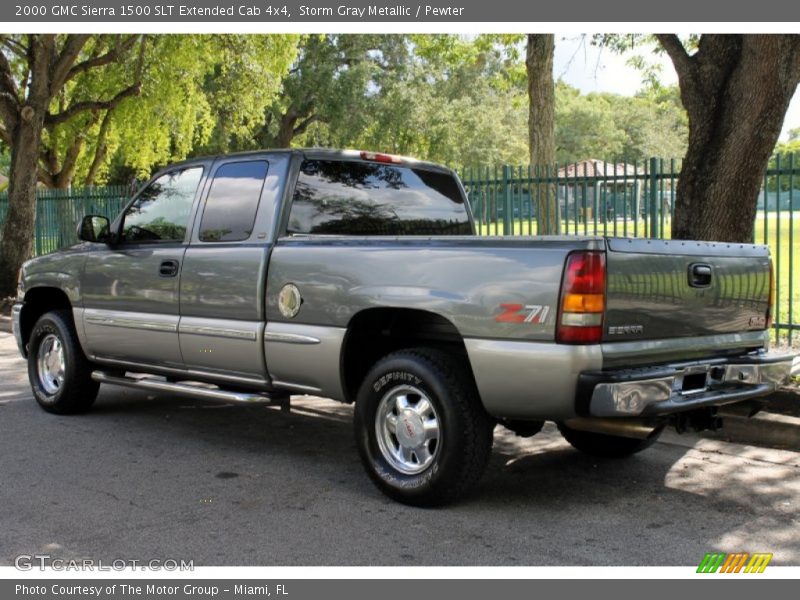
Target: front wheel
(422, 433)
(59, 372)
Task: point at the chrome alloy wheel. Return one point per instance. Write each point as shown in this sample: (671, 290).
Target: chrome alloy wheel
(50, 364)
(407, 429)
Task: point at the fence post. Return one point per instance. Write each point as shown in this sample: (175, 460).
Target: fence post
(508, 215)
(654, 208)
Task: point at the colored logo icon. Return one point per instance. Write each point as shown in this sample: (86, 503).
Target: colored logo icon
(737, 562)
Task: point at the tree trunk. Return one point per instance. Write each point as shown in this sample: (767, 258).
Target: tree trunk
(541, 125)
(736, 90)
(285, 135)
(26, 136)
(17, 238)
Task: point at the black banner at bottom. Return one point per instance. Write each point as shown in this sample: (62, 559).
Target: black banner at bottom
(383, 589)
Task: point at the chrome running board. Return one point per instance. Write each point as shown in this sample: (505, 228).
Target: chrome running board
(200, 391)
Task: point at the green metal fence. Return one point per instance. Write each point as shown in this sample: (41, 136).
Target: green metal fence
(59, 211)
(592, 197)
(636, 200)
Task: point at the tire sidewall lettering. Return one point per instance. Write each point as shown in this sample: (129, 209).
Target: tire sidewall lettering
(395, 377)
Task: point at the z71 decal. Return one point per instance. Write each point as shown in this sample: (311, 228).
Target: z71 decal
(523, 313)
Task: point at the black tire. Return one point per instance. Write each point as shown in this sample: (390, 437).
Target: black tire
(77, 390)
(607, 446)
(465, 441)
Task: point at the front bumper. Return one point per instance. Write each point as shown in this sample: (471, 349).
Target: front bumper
(16, 312)
(668, 389)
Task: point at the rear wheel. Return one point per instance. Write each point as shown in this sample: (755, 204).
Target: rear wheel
(422, 433)
(607, 446)
(59, 372)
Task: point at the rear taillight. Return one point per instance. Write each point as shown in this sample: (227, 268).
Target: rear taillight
(771, 304)
(583, 299)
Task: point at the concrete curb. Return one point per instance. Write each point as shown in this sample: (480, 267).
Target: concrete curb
(776, 426)
(769, 430)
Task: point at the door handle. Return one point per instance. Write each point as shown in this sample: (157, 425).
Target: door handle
(699, 275)
(168, 268)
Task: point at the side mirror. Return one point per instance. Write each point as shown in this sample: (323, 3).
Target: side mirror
(94, 228)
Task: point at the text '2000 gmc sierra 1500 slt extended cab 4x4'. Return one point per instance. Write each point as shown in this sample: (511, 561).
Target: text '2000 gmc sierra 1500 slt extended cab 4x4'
(359, 277)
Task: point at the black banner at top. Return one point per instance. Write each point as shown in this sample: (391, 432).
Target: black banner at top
(377, 11)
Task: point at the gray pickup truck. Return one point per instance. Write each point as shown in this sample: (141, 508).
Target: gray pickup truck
(359, 277)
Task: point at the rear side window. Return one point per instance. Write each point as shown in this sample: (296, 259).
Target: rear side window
(230, 210)
(357, 198)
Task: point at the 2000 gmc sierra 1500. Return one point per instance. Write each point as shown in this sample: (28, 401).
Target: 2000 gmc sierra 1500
(359, 277)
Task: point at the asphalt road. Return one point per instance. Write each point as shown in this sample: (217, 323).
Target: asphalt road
(169, 478)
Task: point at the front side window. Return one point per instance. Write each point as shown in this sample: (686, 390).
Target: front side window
(232, 202)
(161, 212)
(361, 198)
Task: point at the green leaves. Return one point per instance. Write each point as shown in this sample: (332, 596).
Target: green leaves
(610, 126)
(456, 99)
(453, 99)
(202, 93)
(143, 101)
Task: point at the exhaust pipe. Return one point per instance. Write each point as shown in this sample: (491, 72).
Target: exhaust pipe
(631, 428)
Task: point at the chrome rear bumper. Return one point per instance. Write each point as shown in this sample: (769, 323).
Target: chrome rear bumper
(680, 387)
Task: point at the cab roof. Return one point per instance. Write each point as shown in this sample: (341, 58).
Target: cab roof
(323, 154)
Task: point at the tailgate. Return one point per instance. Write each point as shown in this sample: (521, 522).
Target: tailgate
(670, 289)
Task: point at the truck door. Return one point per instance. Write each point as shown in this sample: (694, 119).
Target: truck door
(130, 289)
(224, 270)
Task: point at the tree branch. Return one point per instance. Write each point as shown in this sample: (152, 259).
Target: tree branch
(7, 83)
(50, 159)
(9, 98)
(71, 160)
(79, 107)
(45, 177)
(15, 47)
(304, 124)
(677, 53)
(140, 60)
(100, 150)
(98, 61)
(795, 42)
(41, 49)
(9, 111)
(5, 137)
(64, 61)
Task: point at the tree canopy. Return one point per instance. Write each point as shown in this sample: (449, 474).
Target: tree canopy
(149, 100)
(609, 126)
(194, 92)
